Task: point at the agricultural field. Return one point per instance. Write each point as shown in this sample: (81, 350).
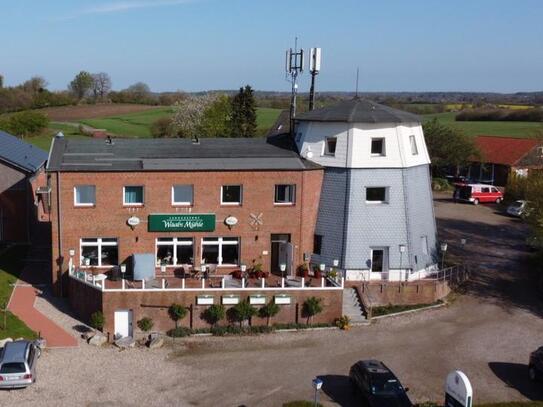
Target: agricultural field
(80, 112)
(493, 128)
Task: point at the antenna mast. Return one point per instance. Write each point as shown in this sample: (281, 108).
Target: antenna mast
(356, 93)
(294, 65)
(314, 69)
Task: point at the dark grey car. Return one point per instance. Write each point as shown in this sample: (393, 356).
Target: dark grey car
(18, 362)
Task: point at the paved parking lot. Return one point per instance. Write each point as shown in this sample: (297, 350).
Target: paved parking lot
(488, 333)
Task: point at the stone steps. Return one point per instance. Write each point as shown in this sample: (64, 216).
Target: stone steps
(352, 307)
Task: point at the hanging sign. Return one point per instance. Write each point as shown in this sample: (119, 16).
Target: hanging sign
(458, 390)
(186, 222)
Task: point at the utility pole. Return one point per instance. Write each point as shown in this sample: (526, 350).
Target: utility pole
(294, 65)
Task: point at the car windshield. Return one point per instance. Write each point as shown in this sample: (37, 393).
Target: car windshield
(386, 387)
(517, 204)
(13, 368)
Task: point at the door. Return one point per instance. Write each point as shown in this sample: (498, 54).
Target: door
(281, 253)
(123, 323)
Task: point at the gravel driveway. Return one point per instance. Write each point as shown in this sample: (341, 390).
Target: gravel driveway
(488, 333)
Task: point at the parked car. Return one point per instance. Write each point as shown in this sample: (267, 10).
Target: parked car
(477, 193)
(518, 208)
(377, 385)
(535, 367)
(18, 362)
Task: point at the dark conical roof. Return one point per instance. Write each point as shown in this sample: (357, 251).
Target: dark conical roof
(359, 110)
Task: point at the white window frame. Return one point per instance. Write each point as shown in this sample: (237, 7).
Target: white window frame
(240, 195)
(383, 152)
(293, 198)
(326, 151)
(385, 259)
(413, 144)
(99, 243)
(75, 195)
(176, 241)
(220, 242)
(182, 203)
(134, 203)
(387, 196)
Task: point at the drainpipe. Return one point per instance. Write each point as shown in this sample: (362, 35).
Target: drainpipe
(59, 232)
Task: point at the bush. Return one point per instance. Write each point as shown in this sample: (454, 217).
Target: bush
(145, 324)
(302, 403)
(97, 320)
(312, 306)
(268, 311)
(213, 314)
(162, 127)
(343, 322)
(440, 184)
(176, 312)
(179, 332)
(241, 312)
(27, 123)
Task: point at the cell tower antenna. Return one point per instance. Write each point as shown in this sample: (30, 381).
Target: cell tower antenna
(294, 66)
(314, 69)
(357, 71)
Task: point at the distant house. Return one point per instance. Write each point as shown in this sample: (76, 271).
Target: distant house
(21, 164)
(501, 156)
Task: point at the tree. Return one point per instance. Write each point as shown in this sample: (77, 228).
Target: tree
(215, 120)
(162, 127)
(101, 85)
(1, 81)
(447, 146)
(312, 306)
(145, 324)
(176, 313)
(243, 117)
(214, 314)
(139, 91)
(97, 320)
(35, 84)
(268, 311)
(242, 311)
(81, 84)
(189, 113)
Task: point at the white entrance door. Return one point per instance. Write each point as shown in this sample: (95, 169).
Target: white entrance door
(123, 323)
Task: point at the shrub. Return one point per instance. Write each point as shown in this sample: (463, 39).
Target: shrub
(241, 312)
(145, 324)
(301, 403)
(312, 306)
(440, 184)
(213, 314)
(176, 312)
(162, 127)
(179, 332)
(343, 322)
(97, 320)
(27, 123)
(268, 311)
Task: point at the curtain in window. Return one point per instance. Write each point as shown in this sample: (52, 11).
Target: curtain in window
(133, 195)
(84, 194)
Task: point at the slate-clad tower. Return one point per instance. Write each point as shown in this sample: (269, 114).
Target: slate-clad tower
(376, 214)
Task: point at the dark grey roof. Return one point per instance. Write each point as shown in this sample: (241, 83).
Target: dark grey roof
(20, 154)
(215, 154)
(359, 110)
(281, 125)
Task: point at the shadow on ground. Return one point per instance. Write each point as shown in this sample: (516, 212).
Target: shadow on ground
(339, 389)
(515, 375)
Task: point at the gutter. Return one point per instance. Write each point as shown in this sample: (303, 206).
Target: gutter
(59, 232)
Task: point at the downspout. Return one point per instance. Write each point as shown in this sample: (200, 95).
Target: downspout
(59, 233)
(347, 202)
(405, 185)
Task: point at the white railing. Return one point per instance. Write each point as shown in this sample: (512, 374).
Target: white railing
(458, 272)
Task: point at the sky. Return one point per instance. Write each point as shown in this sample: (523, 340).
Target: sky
(192, 45)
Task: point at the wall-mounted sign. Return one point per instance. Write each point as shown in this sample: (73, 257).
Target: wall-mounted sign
(458, 390)
(133, 221)
(257, 300)
(282, 299)
(187, 222)
(204, 300)
(230, 299)
(231, 221)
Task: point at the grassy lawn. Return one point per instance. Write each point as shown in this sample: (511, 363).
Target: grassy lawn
(492, 128)
(10, 267)
(266, 117)
(43, 141)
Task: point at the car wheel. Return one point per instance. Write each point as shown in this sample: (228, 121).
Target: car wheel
(532, 372)
(475, 201)
(499, 200)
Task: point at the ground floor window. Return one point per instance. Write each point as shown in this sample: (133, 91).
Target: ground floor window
(220, 250)
(99, 252)
(172, 251)
(379, 259)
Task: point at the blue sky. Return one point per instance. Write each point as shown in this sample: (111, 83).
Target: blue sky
(399, 45)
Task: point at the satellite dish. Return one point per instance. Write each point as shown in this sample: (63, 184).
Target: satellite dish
(309, 154)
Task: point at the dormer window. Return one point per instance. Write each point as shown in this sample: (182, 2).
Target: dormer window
(413, 143)
(378, 147)
(330, 146)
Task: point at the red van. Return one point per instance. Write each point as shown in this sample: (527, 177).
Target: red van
(477, 193)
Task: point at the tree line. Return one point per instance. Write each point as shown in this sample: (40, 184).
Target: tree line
(493, 114)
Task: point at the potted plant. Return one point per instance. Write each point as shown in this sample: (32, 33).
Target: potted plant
(317, 272)
(304, 270)
(257, 270)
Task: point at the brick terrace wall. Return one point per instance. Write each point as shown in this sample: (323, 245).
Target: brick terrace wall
(411, 293)
(84, 299)
(108, 217)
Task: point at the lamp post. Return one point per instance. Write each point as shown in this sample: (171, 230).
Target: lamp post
(402, 251)
(243, 269)
(71, 252)
(443, 248)
(317, 384)
(283, 268)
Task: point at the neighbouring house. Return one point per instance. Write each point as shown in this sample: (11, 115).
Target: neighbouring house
(376, 218)
(21, 169)
(501, 156)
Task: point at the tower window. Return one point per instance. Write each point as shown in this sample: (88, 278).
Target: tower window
(330, 146)
(378, 147)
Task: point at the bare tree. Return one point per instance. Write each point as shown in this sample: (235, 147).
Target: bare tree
(101, 85)
(35, 84)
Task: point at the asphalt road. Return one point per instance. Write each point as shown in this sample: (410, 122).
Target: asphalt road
(487, 332)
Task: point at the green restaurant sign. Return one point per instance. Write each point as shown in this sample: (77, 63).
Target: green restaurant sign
(186, 222)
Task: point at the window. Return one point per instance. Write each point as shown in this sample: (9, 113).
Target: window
(173, 251)
(99, 252)
(285, 194)
(182, 195)
(133, 195)
(379, 260)
(377, 146)
(330, 146)
(376, 195)
(85, 195)
(317, 244)
(495, 190)
(220, 250)
(424, 245)
(231, 195)
(485, 190)
(413, 142)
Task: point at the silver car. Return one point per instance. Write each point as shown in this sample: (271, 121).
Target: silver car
(18, 364)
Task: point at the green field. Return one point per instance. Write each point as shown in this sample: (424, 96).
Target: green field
(492, 128)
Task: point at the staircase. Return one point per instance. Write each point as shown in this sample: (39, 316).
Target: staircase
(352, 306)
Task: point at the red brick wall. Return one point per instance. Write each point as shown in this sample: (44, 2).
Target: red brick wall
(14, 204)
(108, 217)
(403, 293)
